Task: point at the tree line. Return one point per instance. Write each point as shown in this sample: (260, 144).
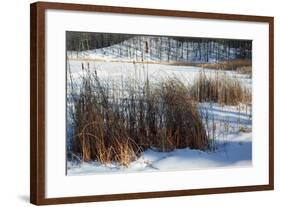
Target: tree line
(165, 48)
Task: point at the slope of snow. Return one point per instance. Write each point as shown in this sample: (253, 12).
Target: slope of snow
(157, 49)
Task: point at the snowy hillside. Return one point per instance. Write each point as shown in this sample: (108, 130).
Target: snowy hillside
(160, 49)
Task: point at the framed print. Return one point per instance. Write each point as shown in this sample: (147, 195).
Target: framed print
(130, 103)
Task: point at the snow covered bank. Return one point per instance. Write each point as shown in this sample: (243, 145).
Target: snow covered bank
(235, 152)
(233, 149)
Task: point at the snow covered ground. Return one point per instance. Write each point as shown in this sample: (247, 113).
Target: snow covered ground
(115, 71)
(233, 134)
(236, 152)
(233, 149)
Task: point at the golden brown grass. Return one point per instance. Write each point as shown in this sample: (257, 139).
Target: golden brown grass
(245, 70)
(219, 88)
(176, 122)
(109, 128)
(227, 65)
(112, 127)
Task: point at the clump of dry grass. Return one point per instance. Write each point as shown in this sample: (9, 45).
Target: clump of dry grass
(113, 126)
(180, 124)
(227, 64)
(219, 88)
(245, 70)
(98, 128)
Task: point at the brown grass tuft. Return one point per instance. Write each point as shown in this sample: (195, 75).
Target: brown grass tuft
(220, 88)
(227, 65)
(180, 124)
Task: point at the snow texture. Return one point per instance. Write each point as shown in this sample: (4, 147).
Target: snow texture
(233, 149)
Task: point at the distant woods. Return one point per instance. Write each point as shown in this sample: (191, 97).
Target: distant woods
(160, 48)
(79, 41)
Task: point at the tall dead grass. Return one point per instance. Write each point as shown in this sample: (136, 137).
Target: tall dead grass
(179, 122)
(219, 88)
(227, 64)
(113, 125)
(245, 70)
(99, 129)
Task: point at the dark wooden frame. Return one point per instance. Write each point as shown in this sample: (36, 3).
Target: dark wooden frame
(37, 102)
